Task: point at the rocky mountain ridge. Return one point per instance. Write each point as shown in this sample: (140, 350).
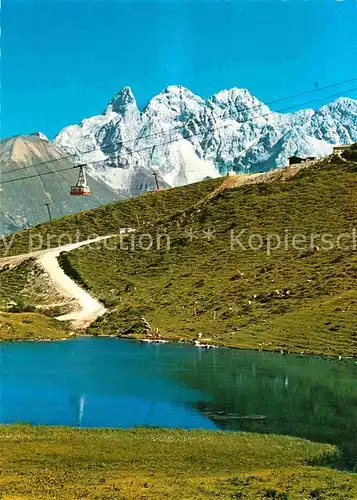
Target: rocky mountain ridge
(196, 138)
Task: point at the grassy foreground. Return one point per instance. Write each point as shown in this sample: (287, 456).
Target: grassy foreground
(65, 463)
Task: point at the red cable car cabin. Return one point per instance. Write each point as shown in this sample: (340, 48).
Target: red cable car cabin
(81, 188)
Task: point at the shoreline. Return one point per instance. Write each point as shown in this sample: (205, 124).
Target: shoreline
(188, 342)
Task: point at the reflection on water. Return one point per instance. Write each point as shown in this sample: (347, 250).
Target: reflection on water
(82, 401)
(117, 383)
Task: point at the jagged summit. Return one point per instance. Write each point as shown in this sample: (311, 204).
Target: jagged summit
(173, 89)
(238, 104)
(121, 100)
(178, 90)
(177, 100)
(343, 101)
(343, 106)
(230, 95)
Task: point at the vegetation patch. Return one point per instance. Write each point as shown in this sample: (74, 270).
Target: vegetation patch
(31, 326)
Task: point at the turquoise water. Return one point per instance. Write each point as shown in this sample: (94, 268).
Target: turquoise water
(92, 382)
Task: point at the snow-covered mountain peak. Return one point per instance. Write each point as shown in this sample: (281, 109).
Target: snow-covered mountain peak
(229, 96)
(122, 101)
(180, 92)
(344, 101)
(237, 103)
(341, 105)
(196, 138)
(175, 99)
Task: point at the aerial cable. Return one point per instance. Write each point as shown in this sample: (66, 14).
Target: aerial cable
(38, 175)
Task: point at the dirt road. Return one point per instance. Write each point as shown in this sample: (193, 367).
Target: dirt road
(88, 308)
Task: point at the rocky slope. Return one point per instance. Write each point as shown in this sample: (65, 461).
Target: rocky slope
(22, 202)
(197, 138)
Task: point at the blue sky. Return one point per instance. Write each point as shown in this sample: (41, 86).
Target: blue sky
(63, 61)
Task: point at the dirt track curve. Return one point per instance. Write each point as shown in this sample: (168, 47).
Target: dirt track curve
(89, 309)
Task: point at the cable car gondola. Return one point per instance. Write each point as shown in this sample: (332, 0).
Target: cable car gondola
(81, 188)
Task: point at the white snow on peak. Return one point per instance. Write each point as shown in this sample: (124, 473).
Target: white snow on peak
(238, 101)
(122, 101)
(176, 100)
(230, 96)
(180, 92)
(197, 138)
(344, 101)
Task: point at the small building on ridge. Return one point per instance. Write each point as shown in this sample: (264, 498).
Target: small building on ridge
(337, 150)
(294, 160)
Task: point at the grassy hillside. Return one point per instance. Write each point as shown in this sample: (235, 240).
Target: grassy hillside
(230, 295)
(207, 284)
(54, 462)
